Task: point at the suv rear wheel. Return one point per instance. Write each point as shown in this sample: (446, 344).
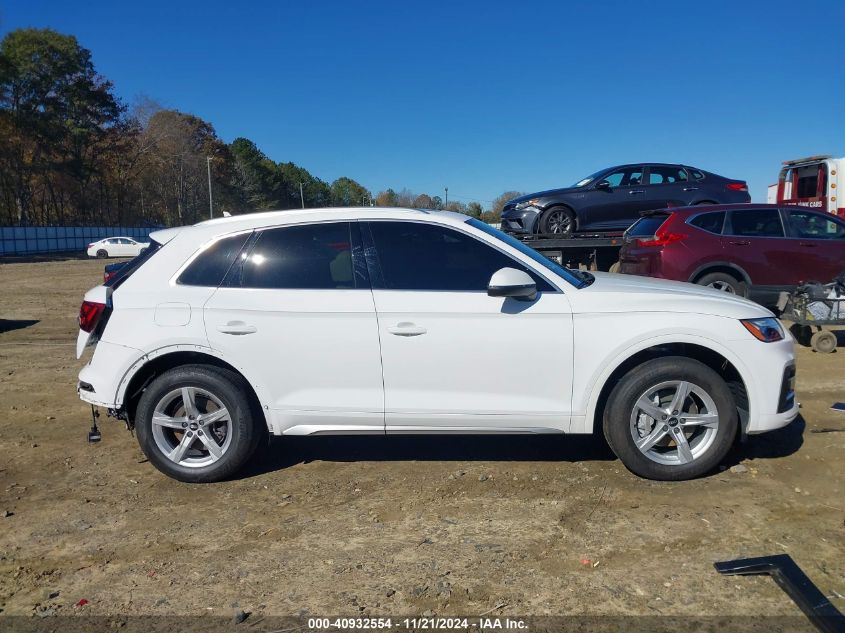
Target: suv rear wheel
(195, 424)
(724, 282)
(671, 418)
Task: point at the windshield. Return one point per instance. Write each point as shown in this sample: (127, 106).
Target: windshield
(586, 181)
(577, 278)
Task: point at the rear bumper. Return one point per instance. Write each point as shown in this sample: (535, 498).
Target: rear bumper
(100, 379)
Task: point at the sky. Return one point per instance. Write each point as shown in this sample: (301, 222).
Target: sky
(481, 97)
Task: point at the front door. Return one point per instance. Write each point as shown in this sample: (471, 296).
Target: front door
(455, 358)
(298, 312)
(616, 206)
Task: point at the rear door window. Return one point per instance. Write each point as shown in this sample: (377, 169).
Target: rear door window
(305, 257)
(666, 175)
(756, 223)
(710, 222)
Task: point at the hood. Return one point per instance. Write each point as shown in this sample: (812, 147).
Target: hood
(542, 194)
(629, 293)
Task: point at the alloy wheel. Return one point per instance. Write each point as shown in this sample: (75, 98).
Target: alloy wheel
(724, 286)
(192, 427)
(559, 222)
(674, 422)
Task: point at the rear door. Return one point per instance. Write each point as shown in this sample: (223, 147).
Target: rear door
(755, 240)
(296, 311)
(666, 186)
(819, 244)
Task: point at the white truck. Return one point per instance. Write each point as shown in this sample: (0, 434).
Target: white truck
(810, 182)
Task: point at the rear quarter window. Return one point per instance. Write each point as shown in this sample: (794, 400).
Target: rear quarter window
(710, 222)
(211, 265)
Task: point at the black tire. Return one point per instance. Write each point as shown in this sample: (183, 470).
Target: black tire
(102, 253)
(801, 333)
(724, 282)
(622, 419)
(243, 423)
(558, 221)
(142, 251)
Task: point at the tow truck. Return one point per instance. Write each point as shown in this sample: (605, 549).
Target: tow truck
(810, 182)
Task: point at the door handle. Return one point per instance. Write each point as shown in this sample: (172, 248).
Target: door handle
(406, 329)
(633, 191)
(740, 243)
(690, 188)
(807, 244)
(237, 328)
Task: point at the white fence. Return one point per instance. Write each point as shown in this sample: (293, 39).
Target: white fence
(22, 240)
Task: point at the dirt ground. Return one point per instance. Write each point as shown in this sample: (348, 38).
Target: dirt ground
(381, 526)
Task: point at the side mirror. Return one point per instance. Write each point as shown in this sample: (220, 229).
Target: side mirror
(510, 282)
(602, 184)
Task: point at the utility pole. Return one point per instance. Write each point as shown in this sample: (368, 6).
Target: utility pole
(446, 204)
(301, 195)
(210, 202)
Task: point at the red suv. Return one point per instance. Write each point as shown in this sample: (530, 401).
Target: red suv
(756, 250)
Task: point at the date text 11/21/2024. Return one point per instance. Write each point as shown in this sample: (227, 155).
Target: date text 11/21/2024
(418, 624)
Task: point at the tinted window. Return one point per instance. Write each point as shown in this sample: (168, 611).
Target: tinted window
(665, 175)
(695, 173)
(415, 256)
(628, 177)
(126, 270)
(712, 222)
(646, 227)
(312, 256)
(210, 266)
(815, 226)
(756, 223)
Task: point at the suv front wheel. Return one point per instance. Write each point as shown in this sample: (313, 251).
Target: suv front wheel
(671, 418)
(195, 424)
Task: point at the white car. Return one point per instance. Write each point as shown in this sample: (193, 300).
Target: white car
(387, 321)
(116, 247)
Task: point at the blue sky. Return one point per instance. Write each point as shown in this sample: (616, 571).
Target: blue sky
(482, 97)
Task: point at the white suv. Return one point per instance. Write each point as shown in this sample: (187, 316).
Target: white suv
(397, 321)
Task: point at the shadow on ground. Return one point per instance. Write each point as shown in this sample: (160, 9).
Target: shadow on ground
(287, 451)
(772, 445)
(7, 325)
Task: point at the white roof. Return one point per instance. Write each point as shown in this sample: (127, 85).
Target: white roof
(248, 221)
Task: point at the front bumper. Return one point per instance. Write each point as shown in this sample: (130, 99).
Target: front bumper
(520, 222)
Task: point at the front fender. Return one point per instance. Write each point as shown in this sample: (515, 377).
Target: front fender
(612, 361)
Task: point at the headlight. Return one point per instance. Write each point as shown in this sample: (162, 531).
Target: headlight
(766, 329)
(524, 205)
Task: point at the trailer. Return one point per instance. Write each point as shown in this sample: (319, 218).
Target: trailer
(586, 251)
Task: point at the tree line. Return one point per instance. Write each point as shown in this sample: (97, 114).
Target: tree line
(71, 153)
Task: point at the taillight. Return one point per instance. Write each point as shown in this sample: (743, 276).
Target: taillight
(91, 244)
(89, 315)
(737, 186)
(662, 237)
